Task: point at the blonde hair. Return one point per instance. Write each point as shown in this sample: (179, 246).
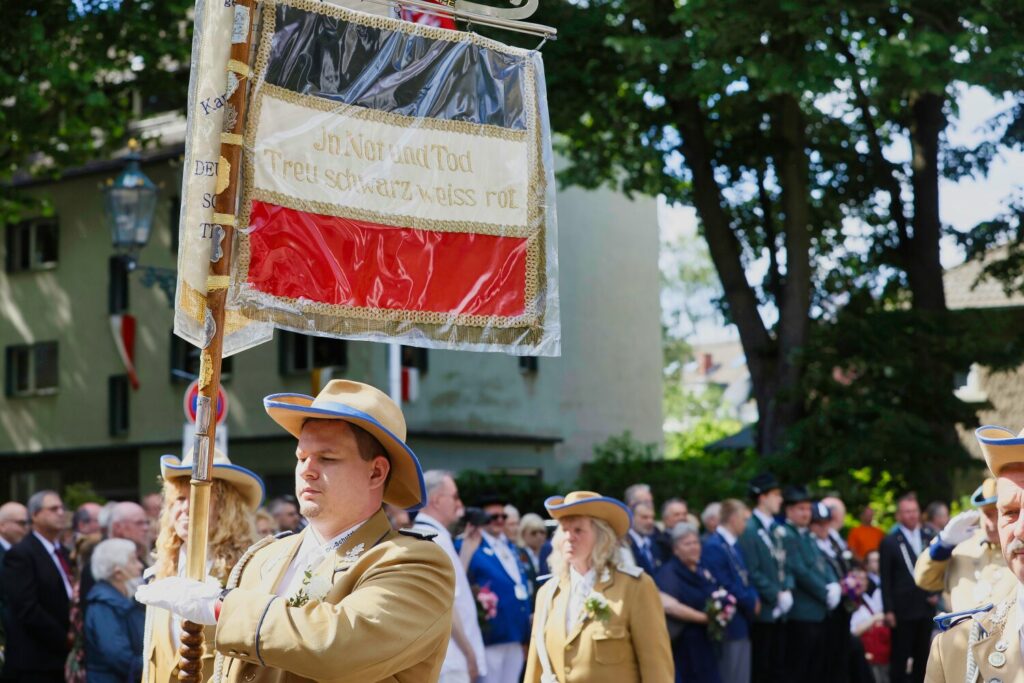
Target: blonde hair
(263, 515)
(529, 522)
(230, 537)
(604, 555)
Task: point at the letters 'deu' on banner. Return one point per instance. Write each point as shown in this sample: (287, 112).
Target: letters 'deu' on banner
(397, 185)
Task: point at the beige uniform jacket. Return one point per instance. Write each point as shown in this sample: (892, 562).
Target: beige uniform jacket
(630, 647)
(386, 617)
(996, 652)
(160, 655)
(976, 574)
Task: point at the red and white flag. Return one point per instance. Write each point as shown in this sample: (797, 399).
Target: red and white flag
(397, 185)
(122, 327)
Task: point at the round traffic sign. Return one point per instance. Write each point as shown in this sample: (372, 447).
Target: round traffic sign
(192, 398)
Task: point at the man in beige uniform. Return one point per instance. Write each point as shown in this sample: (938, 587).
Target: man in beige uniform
(984, 644)
(348, 598)
(965, 560)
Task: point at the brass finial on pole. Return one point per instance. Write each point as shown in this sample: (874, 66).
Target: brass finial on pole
(225, 209)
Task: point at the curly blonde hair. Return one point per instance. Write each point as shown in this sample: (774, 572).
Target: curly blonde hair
(605, 554)
(230, 537)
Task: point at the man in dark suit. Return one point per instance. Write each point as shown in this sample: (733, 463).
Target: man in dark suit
(673, 511)
(723, 558)
(908, 609)
(13, 527)
(37, 583)
(641, 538)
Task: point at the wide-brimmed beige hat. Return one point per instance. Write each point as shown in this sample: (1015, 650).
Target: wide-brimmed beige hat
(366, 407)
(1000, 447)
(591, 504)
(245, 480)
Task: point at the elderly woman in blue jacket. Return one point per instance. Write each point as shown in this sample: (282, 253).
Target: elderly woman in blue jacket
(114, 621)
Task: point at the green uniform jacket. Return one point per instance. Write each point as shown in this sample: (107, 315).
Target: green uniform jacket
(766, 563)
(811, 573)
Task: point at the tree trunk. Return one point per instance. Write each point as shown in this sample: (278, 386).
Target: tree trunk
(774, 374)
(794, 309)
(924, 269)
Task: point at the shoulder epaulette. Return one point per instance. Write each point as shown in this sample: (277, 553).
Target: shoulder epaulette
(416, 533)
(283, 534)
(635, 572)
(948, 621)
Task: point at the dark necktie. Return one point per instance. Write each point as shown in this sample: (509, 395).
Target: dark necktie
(63, 563)
(645, 546)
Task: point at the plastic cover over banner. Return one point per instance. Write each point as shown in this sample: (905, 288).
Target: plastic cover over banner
(397, 185)
(207, 105)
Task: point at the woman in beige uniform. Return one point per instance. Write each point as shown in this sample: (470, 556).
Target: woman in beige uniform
(596, 620)
(237, 493)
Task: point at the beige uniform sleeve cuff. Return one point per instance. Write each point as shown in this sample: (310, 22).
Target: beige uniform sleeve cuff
(238, 628)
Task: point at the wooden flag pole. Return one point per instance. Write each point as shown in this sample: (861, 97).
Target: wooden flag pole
(225, 210)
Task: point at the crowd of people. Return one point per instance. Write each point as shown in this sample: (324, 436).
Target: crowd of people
(771, 588)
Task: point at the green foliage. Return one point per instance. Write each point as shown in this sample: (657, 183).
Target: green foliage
(881, 418)
(645, 87)
(692, 473)
(526, 493)
(70, 75)
(81, 492)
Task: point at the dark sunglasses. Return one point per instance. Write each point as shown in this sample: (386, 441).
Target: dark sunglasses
(498, 515)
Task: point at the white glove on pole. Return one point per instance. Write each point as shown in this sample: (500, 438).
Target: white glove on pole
(785, 601)
(960, 528)
(833, 595)
(189, 599)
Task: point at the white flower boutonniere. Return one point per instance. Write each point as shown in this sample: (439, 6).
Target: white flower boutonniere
(313, 588)
(597, 607)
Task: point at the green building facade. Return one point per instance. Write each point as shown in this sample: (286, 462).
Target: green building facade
(68, 413)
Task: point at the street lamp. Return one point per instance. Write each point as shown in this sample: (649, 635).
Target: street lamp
(130, 201)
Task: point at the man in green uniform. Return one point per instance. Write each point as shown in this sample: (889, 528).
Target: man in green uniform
(816, 591)
(761, 544)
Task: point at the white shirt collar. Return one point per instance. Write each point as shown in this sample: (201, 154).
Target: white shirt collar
(766, 520)
(587, 580)
(428, 520)
(915, 534)
(50, 547)
(727, 535)
(4, 543)
(493, 540)
(640, 540)
(334, 543)
(825, 546)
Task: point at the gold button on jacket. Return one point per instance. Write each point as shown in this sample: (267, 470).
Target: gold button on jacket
(630, 647)
(387, 616)
(996, 651)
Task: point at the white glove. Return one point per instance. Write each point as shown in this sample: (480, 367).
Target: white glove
(190, 599)
(833, 595)
(785, 601)
(960, 528)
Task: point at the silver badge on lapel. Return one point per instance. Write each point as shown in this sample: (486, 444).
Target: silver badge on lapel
(353, 553)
